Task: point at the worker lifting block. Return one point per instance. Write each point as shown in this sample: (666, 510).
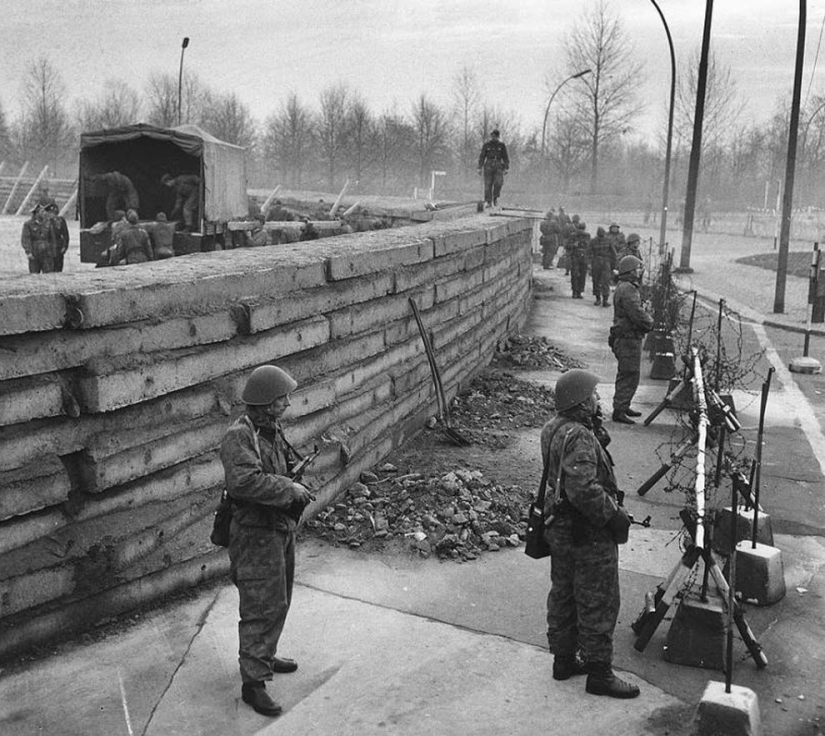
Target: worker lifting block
(697, 635)
(760, 575)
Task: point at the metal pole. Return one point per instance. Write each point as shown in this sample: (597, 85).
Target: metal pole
(669, 148)
(790, 167)
(696, 145)
(550, 102)
(183, 46)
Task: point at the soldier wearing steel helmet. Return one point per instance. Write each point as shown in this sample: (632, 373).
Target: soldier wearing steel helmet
(589, 522)
(631, 322)
(632, 247)
(257, 461)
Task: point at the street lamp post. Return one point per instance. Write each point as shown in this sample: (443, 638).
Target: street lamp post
(550, 102)
(669, 148)
(183, 46)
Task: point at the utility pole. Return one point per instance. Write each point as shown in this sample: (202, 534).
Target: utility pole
(696, 146)
(790, 167)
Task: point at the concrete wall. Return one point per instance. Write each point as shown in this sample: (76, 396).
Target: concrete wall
(116, 386)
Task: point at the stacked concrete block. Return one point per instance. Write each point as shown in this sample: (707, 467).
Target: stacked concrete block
(117, 385)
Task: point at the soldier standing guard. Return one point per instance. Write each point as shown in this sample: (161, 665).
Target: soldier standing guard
(39, 241)
(494, 163)
(578, 251)
(257, 461)
(602, 262)
(630, 324)
(589, 522)
(61, 233)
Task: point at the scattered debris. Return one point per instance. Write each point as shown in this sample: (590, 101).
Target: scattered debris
(531, 353)
(457, 515)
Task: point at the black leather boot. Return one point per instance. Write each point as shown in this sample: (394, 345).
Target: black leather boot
(255, 694)
(602, 681)
(566, 666)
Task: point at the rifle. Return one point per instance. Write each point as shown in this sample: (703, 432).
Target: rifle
(296, 508)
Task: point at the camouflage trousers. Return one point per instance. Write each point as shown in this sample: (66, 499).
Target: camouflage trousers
(578, 274)
(628, 352)
(600, 273)
(262, 567)
(583, 603)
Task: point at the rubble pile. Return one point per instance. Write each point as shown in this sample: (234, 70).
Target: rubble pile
(457, 515)
(530, 353)
(496, 402)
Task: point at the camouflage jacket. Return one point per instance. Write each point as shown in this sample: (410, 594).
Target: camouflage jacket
(256, 467)
(630, 318)
(38, 238)
(602, 249)
(588, 482)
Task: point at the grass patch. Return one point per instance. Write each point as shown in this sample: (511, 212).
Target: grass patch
(799, 262)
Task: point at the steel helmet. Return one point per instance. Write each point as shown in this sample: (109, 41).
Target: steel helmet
(633, 238)
(267, 383)
(614, 224)
(573, 387)
(628, 263)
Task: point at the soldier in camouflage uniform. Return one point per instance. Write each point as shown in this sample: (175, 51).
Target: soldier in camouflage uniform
(631, 247)
(630, 323)
(602, 262)
(550, 239)
(588, 523)
(257, 462)
(39, 241)
(616, 237)
(578, 254)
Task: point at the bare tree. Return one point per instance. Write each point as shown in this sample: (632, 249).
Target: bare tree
(117, 105)
(361, 129)
(431, 136)
(568, 148)
(162, 100)
(606, 98)
(332, 130)
(44, 132)
(6, 146)
(394, 141)
(228, 119)
(723, 109)
(287, 140)
(466, 101)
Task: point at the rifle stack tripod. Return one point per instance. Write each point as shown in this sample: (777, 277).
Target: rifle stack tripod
(709, 412)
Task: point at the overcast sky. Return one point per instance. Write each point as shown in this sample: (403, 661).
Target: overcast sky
(390, 51)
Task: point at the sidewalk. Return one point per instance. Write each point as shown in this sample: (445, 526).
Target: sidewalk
(395, 645)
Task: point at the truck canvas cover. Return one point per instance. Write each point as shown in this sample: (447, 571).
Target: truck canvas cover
(145, 153)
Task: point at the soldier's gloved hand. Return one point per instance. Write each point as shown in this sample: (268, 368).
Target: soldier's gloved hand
(619, 526)
(301, 494)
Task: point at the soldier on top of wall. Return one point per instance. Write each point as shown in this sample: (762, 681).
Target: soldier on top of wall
(494, 163)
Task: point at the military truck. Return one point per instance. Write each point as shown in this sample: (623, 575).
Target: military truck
(145, 153)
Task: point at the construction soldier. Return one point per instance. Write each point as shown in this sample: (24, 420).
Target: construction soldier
(631, 247)
(187, 195)
(39, 241)
(550, 239)
(120, 192)
(494, 163)
(162, 234)
(631, 322)
(588, 522)
(602, 263)
(257, 462)
(132, 243)
(578, 253)
(258, 236)
(616, 237)
(61, 232)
